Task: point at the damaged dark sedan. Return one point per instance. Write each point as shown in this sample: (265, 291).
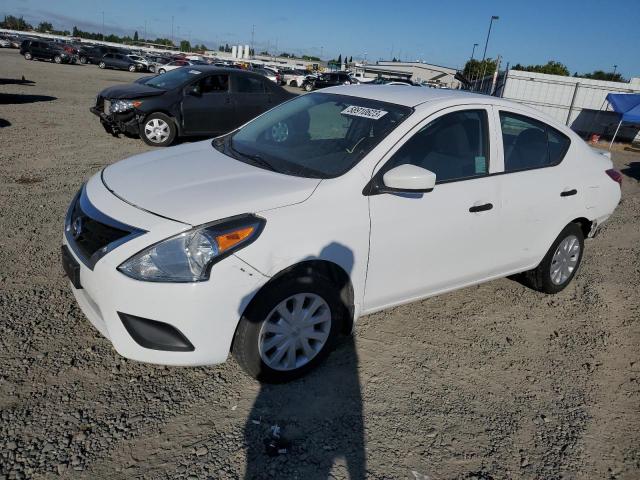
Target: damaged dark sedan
(190, 101)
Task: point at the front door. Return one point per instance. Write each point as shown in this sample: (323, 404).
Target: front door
(422, 244)
(207, 109)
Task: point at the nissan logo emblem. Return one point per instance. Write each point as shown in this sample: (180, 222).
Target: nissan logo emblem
(76, 228)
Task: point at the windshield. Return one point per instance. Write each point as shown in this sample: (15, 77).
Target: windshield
(319, 135)
(173, 79)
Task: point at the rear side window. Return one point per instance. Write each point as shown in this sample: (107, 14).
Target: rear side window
(249, 85)
(454, 146)
(529, 143)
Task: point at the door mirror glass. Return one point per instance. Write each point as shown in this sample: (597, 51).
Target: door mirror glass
(408, 178)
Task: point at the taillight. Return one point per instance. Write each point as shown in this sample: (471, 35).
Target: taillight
(615, 175)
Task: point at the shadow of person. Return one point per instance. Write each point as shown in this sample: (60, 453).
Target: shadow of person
(318, 417)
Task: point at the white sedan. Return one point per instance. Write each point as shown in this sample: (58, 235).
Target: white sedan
(271, 241)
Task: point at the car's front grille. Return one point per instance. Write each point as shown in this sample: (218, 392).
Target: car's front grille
(91, 234)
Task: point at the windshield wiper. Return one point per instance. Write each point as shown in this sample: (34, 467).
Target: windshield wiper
(254, 158)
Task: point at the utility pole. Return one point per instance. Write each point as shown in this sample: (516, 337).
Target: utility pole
(172, 39)
(473, 51)
(253, 31)
(145, 30)
(103, 26)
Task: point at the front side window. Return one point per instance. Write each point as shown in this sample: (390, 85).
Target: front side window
(529, 143)
(454, 146)
(318, 135)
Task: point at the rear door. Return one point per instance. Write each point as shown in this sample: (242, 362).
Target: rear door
(249, 96)
(208, 109)
(540, 194)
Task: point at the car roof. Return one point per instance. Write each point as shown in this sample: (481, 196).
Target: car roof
(215, 68)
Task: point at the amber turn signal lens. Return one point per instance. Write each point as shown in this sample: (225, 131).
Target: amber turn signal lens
(231, 239)
(136, 103)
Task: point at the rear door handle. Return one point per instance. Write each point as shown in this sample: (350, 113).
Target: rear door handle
(481, 208)
(568, 193)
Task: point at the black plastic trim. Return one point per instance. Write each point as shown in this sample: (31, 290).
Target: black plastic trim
(155, 335)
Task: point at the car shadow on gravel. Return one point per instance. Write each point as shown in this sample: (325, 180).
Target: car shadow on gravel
(4, 123)
(632, 170)
(314, 426)
(18, 98)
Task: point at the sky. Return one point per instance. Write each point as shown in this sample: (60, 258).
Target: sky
(585, 35)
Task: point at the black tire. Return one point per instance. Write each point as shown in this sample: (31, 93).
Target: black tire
(540, 277)
(152, 68)
(161, 71)
(57, 59)
(102, 65)
(28, 56)
(293, 83)
(308, 87)
(173, 130)
(83, 60)
(132, 68)
(246, 340)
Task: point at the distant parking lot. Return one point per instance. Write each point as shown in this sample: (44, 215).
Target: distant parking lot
(494, 381)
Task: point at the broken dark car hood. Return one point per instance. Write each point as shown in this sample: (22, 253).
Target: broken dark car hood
(131, 90)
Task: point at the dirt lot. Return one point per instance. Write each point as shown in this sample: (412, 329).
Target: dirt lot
(490, 382)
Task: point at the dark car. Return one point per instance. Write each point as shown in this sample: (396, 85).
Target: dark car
(191, 101)
(38, 49)
(332, 79)
(120, 61)
(94, 53)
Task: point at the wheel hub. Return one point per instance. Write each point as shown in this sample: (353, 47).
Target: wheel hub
(565, 260)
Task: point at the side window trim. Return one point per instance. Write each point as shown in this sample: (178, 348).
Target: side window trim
(490, 134)
(547, 128)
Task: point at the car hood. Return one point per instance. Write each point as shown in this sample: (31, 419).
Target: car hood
(131, 90)
(196, 184)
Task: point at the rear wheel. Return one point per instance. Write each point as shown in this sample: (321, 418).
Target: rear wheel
(308, 87)
(132, 68)
(289, 328)
(161, 71)
(57, 59)
(152, 68)
(28, 56)
(158, 130)
(102, 65)
(83, 60)
(561, 262)
(293, 83)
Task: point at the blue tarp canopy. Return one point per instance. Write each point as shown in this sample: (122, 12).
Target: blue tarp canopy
(627, 104)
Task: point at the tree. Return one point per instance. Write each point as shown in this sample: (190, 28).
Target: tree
(135, 36)
(340, 59)
(185, 46)
(76, 31)
(14, 23)
(44, 27)
(602, 75)
(350, 59)
(477, 68)
(551, 67)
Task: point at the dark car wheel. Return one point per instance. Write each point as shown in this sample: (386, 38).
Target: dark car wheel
(293, 83)
(152, 68)
(158, 130)
(161, 71)
(308, 87)
(102, 65)
(561, 262)
(83, 60)
(57, 59)
(28, 56)
(132, 68)
(289, 328)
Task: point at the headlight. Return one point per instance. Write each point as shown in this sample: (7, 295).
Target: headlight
(188, 257)
(119, 106)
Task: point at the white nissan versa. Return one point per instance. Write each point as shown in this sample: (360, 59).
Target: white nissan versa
(272, 240)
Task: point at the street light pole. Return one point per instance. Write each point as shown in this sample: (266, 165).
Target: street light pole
(486, 44)
(474, 50)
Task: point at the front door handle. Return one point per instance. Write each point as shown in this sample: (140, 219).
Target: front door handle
(568, 193)
(481, 208)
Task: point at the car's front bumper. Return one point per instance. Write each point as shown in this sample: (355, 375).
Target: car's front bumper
(128, 122)
(205, 313)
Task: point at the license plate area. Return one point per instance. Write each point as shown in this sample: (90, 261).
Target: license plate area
(71, 267)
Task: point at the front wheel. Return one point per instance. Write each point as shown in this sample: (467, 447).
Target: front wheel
(57, 59)
(308, 87)
(158, 130)
(132, 68)
(102, 65)
(161, 71)
(289, 328)
(152, 69)
(561, 262)
(83, 60)
(293, 83)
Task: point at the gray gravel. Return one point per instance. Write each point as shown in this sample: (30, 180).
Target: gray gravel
(490, 382)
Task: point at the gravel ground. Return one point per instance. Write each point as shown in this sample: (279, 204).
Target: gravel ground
(490, 382)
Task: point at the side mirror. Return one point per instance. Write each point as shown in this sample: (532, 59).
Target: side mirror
(407, 178)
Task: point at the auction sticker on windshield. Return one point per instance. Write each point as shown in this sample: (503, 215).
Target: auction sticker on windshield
(364, 112)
